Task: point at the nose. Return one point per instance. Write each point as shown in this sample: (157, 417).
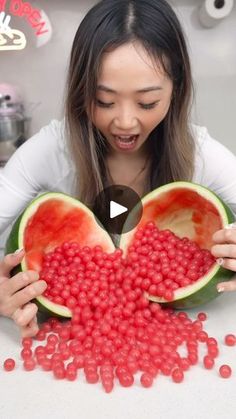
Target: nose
(125, 119)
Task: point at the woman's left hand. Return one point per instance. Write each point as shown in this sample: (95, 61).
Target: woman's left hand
(224, 250)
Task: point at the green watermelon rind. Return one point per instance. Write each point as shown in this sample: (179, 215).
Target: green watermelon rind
(12, 243)
(51, 309)
(205, 289)
(15, 241)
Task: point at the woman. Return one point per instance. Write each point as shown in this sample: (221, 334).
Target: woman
(126, 122)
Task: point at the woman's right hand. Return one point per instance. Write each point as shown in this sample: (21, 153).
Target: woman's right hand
(17, 292)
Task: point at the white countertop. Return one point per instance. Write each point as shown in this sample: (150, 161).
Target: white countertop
(202, 395)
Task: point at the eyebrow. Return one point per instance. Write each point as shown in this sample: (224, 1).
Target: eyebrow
(144, 90)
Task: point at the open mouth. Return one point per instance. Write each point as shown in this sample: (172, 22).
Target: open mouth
(126, 141)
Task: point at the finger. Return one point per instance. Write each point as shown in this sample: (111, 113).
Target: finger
(20, 280)
(227, 263)
(224, 251)
(28, 293)
(226, 235)
(23, 316)
(227, 286)
(30, 329)
(10, 261)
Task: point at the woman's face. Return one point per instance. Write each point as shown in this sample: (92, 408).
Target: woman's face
(133, 96)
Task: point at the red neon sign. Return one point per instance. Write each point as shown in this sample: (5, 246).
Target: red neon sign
(27, 11)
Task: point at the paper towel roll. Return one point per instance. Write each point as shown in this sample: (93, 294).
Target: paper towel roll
(213, 11)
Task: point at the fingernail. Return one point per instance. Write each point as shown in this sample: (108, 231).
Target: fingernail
(220, 261)
(18, 251)
(220, 289)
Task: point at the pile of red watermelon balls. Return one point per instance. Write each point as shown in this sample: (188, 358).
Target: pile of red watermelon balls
(116, 335)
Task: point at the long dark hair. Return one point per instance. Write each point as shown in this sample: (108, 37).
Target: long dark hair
(109, 24)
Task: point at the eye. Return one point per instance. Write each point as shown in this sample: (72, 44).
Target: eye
(148, 105)
(103, 104)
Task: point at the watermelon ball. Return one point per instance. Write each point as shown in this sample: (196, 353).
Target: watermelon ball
(213, 351)
(29, 364)
(46, 363)
(208, 362)
(26, 353)
(230, 340)
(202, 316)
(9, 364)
(126, 379)
(27, 342)
(177, 375)
(59, 372)
(71, 372)
(107, 384)
(225, 371)
(146, 380)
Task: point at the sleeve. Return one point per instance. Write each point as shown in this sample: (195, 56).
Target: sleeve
(215, 168)
(27, 173)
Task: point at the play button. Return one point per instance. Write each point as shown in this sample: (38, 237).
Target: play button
(118, 208)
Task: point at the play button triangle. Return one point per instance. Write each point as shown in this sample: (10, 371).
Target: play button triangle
(116, 209)
(113, 208)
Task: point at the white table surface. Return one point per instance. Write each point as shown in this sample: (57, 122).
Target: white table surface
(202, 395)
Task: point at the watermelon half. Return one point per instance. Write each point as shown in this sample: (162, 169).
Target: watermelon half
(46, 223)
(188, 210)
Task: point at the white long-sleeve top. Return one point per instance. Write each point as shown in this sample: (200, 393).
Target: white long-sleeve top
(43, 163)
